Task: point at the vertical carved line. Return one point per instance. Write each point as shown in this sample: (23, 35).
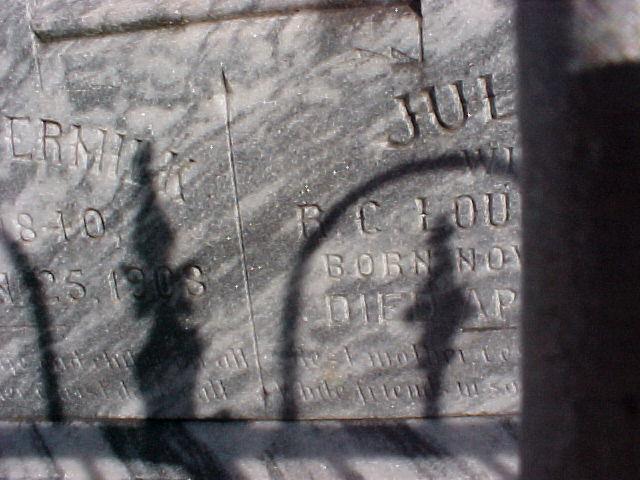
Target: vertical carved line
(238, 216)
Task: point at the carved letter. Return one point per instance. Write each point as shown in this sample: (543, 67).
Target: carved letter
(309, 216)
(365, 264)
(498, 206)
(15, 141)
(51, 133)
(465, 211)
(365, 218)
(409, 119)
(334, 265)
(5, 291)
(490, 97)
(85, 158)
(456, 90)
(467, 259)
(338, 310)
(423, 208)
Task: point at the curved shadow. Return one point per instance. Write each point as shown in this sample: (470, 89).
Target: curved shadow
(292, 304)
(160, 442)
(43, 323)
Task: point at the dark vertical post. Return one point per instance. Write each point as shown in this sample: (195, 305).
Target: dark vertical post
(580, 119)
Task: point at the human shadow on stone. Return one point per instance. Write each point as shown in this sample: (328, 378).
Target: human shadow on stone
(43, 325)
(166, 367)
(440, 310)
(157, 442)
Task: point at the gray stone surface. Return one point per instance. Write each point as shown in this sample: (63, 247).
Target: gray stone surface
(459, 448)
(58, 19)
(283, 209)
(356, 232)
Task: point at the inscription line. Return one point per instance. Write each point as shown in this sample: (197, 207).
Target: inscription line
(238, 216)
(421, 33)
(34, 44)
(49, 31)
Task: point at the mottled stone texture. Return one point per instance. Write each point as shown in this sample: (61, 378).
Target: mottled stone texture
(58, 19)
(451, 449)
(273, 210)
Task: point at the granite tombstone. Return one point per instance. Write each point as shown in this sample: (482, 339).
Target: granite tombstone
(275, 209)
